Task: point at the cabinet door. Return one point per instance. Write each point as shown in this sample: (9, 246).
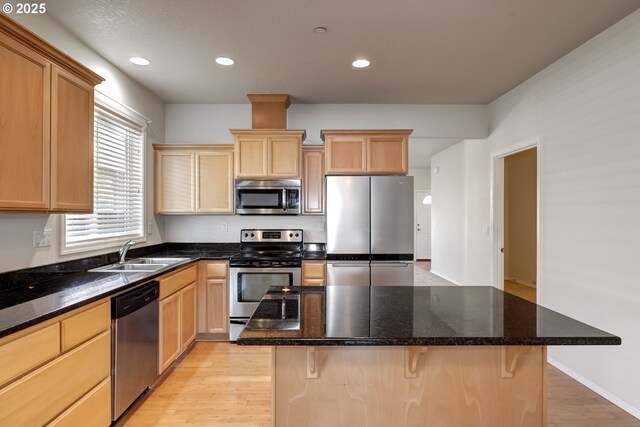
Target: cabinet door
(214, 182)
(387, 154)
(217, 314)
(174, 182)
(24, 128)
(71, 143)
(314, 273)
(284, 157)
(251, 157)
(188, 309)
(346, 155)
(170, 338)
(313, 180)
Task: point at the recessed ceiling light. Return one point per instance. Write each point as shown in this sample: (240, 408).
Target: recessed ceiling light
(361, 63)
(224, 61)
(139, 61)
(320, 30)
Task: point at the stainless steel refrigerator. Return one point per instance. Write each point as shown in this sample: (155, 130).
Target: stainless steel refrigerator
(370, 230)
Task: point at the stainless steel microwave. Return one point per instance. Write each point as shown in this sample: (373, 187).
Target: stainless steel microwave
(268, 197)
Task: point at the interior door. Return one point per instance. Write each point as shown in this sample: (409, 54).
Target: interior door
(423, 225)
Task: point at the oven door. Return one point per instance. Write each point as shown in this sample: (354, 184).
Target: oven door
(248, 286)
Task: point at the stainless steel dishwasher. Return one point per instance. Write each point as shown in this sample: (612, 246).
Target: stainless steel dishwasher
(134, 361)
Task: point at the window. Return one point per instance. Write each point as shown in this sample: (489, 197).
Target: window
(118, 186)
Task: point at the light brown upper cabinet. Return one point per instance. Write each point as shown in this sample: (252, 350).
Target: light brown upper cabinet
(370, 152)
(46, 155)
(267, 153)
(193, 179)
(313, 179)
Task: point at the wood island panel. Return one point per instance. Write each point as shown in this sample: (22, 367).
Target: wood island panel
(409, 386)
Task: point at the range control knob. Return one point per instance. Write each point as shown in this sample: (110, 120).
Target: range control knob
(297, 235)
(252, 235)
(246, 234)
(290, 234)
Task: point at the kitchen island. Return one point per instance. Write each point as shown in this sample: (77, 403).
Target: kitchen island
(418, 356)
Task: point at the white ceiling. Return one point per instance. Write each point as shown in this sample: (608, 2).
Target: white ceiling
(422, 51)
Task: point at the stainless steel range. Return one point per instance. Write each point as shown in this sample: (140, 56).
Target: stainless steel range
(267, 258)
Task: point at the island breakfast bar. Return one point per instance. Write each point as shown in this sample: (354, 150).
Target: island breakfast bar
(410, 356)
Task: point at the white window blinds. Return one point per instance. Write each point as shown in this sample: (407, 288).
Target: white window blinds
(118, 185)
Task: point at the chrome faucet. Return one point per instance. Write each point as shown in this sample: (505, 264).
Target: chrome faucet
(123, 250)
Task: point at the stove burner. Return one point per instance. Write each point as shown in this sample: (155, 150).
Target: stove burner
(263, 249)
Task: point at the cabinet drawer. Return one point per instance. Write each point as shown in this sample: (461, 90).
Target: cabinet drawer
(28, 352)
(93, 410)
(217, 269)
(313, 269)
(172, 283)
(85, 325)
(49, 390)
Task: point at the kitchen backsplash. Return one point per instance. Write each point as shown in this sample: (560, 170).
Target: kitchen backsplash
(185, 228)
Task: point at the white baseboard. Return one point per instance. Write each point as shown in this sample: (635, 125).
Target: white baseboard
(632, 410)
(521, 282)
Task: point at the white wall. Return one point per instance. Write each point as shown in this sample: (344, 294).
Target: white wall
(421, 178)
(448, 213)
(460, 214)
(209, 228)
(586, 110)
(16, 247)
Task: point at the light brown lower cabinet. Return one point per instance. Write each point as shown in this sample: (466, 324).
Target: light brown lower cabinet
(58, 372)
(177, 312)
(213, 300)
(314, 273)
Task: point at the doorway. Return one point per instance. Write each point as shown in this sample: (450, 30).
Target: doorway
(423, 225)
(520, 225)
(516, 183)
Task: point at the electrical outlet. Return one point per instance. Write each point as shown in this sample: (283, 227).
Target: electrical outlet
(42, 239)
(224, 226)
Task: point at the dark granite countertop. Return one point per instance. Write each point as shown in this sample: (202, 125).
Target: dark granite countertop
(311, 255)
(416, 315)
(314, 251)
(32, 295)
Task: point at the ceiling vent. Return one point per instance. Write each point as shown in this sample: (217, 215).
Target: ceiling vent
(269, 111)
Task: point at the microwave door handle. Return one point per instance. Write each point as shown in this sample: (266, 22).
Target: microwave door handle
(284, 199)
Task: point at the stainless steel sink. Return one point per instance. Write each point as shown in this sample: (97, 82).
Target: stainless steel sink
(140, 265)
(130, 267)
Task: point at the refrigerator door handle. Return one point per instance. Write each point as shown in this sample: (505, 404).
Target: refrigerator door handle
(389, 264)
(349, 264)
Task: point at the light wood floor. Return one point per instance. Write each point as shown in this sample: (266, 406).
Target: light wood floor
(519, 290)
(221, 384)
